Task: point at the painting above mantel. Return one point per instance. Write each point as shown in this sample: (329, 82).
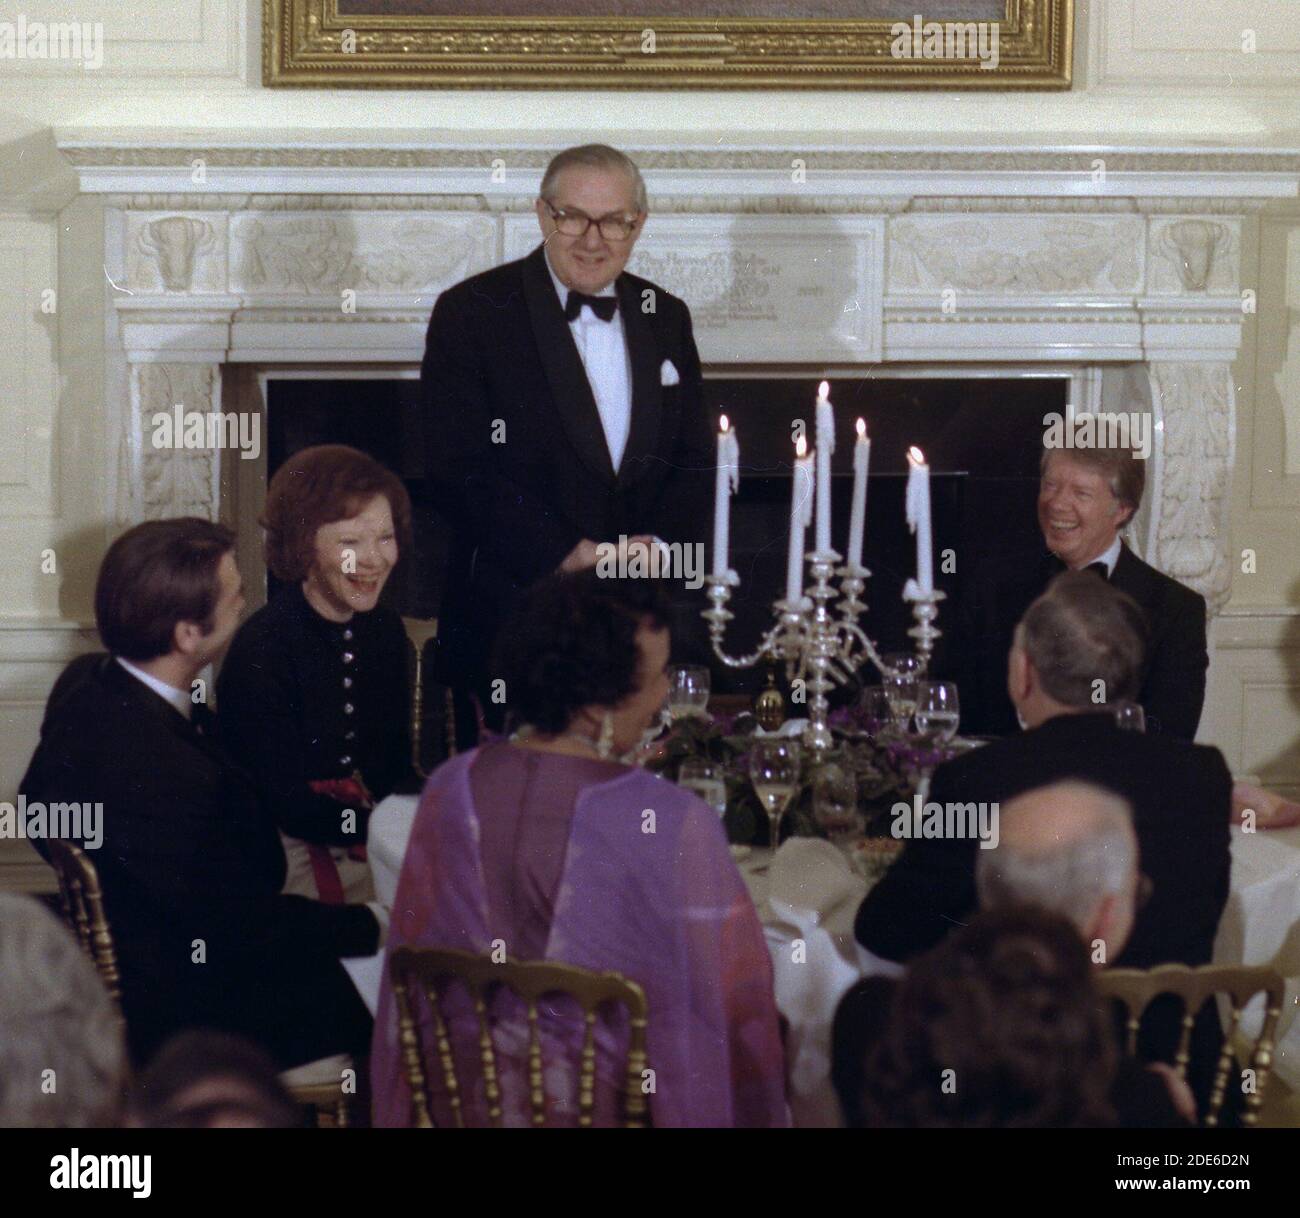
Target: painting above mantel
(669, 44)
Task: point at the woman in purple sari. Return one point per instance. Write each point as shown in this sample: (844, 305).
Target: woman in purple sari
(547, 847)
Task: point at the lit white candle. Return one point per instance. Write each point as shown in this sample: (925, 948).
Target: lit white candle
(918, 517)
(858, 514)
(726, 484)
(801, 495)
(825, 447)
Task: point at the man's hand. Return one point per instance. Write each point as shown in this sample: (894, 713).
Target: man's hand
(583, 555)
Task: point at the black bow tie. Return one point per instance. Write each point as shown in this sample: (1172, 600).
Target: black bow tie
(603, 307)
(1057, 566)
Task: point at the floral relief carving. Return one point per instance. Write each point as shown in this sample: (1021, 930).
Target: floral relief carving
(391, 252)
(1042, 254)
(175, 481)
(1197, 404)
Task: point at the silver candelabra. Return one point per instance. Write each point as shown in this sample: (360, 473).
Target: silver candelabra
(822, 644)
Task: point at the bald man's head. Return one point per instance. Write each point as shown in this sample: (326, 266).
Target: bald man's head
(1069, 848)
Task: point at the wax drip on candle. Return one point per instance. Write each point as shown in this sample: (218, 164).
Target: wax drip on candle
(733, 464)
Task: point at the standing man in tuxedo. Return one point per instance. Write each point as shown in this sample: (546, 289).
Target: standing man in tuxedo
(563, 408)
(1086, 497)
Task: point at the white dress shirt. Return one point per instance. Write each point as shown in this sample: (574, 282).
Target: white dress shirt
(603, 348)
(1110, 556)
(177, 697)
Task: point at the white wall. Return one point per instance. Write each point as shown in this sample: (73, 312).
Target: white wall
(1147, 72)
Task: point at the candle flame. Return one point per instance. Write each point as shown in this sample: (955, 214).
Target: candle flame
(915, 454)
(862, 427)
(824, 389)
(724, 424)
(800, 446)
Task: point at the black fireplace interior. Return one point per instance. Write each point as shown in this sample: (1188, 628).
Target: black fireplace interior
(981, 436)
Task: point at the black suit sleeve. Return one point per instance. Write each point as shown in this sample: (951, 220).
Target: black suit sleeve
(681, 509)
(513, 528)
(1173, 694)
(181, 843)
(928, 892)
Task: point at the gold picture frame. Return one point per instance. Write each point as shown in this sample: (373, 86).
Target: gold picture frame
(308, 43)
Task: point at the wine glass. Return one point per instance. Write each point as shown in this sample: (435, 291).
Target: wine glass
(688, 691)
(1130, 717)
(835, 803)
(774, 771)
(901, 676)
(707, 780)
(876, 710)
(937, 711)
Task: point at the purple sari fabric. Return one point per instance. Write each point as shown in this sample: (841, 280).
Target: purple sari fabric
(638, 880)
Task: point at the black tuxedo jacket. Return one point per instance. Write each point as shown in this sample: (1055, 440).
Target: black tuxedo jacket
(516, 449)
(1181, 796)
(187, 854)
(1172, 690)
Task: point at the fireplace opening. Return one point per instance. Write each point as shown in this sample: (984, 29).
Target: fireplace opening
(982, 437)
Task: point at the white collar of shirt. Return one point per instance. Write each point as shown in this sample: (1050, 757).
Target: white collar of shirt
(1110, 556)
(177, 697)
(563, 291)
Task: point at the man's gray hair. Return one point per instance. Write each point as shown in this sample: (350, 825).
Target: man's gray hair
(62, 1060)
(1072, 872)
(594, 156)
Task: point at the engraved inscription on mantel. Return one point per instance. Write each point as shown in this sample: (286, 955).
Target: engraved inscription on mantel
(762, 289)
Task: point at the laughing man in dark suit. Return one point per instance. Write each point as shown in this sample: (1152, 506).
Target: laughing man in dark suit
(1086, 496)
(563, 408)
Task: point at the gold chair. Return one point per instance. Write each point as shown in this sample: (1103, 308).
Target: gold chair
(1136, 989)
(315, 1085)
(318, 1085)
(82, 902)
(426, 967)
(419, 632)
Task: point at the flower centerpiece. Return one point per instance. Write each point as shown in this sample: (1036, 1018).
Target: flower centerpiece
(885, 769)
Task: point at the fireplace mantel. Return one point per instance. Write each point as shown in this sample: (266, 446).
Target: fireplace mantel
(300, 253)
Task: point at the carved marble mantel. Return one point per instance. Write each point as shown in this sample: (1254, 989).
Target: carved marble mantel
(833, 260)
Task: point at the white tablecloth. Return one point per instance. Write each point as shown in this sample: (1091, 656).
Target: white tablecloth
(807, 898)
(1261, 925)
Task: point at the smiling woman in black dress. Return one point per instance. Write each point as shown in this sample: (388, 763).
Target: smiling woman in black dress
(313, 697)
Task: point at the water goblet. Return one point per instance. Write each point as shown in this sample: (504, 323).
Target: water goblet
(688, 691)
(707, 780)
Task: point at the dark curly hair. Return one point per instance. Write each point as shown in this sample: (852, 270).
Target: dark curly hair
(572, 643)
(1008, 1005)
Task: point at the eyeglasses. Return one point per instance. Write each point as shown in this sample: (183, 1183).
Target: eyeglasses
(574, 223)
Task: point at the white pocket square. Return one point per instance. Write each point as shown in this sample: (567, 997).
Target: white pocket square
(668, 373)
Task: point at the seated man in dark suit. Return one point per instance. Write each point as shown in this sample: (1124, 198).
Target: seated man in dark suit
(190, 866)
(1086, 496)
(1068, 850)
(1080, 640)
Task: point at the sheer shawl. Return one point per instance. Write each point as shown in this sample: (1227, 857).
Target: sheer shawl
(649, 889)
